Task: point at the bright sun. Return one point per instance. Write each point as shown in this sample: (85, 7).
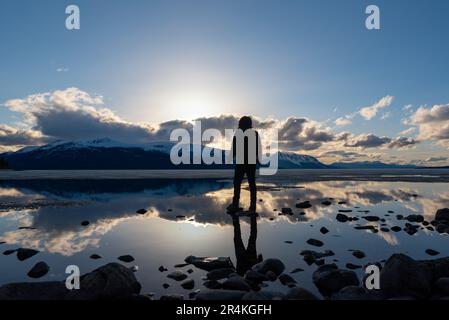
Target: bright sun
(193, 104)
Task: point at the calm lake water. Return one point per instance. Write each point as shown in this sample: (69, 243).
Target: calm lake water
(188, 217)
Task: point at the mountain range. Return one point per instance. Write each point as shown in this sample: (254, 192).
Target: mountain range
(107, 154)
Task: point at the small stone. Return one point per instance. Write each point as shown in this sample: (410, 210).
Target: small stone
(326, 203)
(180, 216)
(181, 265)
(39, 270)
(162, 269)
(165, 285)
(371, 218)
(177, 275)
(432, 252)
(287, 211)
(345, 210)
(188, 284)
(85, 223)
(342, 217)
(95, 256)
(189, 270)
(24, 253)
(358, 254)
(303, 205)
(274, 265)
(126, 258)
(315, 242)
(342, 202)
(141, 211)
(324, 230)
(288, 241)
(352, 266)
(396, 228)
(8, 252)
(399, 216)
(414, 218)
(384, 229)
(410, 229)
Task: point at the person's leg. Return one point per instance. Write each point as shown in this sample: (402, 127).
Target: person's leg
(251, 175)
(239, 173)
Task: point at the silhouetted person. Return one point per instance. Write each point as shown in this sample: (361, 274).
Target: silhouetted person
(246, 162)
(246, 258)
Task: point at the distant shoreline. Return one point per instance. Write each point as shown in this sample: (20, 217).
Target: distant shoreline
(288, 175)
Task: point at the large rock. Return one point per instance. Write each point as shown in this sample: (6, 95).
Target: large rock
(274, 265)
(438, 267)
(442, 215)
(111, 281)
(298, 293)
(403, 276)
(209, 263)
(329, 279)
(211, 294)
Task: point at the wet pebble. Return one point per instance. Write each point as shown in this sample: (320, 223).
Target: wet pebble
(95, 256)
(39, 270)
(177, 275)
(126, 258)
(324, 230)
(359, 254)
(188, 284)
(315, 242)
(24, 253)
(432, 252)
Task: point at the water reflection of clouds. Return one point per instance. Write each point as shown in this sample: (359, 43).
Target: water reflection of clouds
(58, 229)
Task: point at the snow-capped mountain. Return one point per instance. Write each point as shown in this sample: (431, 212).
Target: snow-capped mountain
(109, 154)
(290, 160)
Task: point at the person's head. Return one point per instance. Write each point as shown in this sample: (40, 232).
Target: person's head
(245, 123)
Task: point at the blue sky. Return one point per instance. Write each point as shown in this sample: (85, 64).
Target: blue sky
(154, 61)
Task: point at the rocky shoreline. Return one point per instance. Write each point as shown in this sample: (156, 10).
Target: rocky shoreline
(401, 278)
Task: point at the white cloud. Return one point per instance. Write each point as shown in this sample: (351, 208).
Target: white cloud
(408, 131)
(370, 112)
(433, 123)
(343, 121)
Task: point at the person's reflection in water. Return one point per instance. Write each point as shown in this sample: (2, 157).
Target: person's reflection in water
(246, 257)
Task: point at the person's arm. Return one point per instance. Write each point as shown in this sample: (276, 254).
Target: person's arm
(234, 152)
(258, 149)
